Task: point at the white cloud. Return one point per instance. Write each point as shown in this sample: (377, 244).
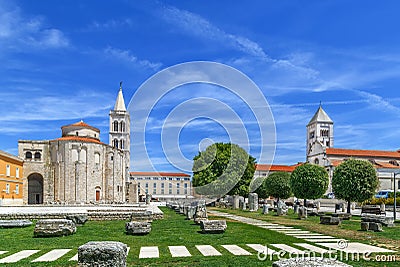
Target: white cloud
(199, 26)
(129, 57)
(19, 31)
(111, 24)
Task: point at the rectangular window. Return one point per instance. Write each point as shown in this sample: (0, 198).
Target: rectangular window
(147, 185)
(170, 191)
(8, 170)
(185, 185)
(185, 191)
(177, 191)
(147, 190)
(170, 185)
(162, 191)
(17, 172)
(162, 185)
(170, 179)
(138, 187)
(154, 190)
(177, 185)
(155, 185)
(17, 189)
(7, 188)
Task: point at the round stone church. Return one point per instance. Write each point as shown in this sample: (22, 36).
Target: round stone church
(78, 167)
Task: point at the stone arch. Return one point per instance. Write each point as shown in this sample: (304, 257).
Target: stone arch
(35, 188)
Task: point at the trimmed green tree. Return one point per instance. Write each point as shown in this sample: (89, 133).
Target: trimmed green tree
(309, 181)
(276, 184)
(223, 168)
(354, 180)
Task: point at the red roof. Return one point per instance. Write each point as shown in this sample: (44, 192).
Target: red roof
(276, 168)
(81, 124)
(377, 164)
(80, 139)
(363, 153)
(177, 174)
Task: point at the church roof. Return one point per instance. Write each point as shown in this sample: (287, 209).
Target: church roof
(363, 153)
(376, 163)
(178, 174)
(80, 139)
(81, 124)
(276, 168)
(120, 103)
(320, 116)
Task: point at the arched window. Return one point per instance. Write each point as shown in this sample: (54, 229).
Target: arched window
(122, 126)
(316, 161)
(115, 126)
(38, 156)
(28, 155)
(121, 144)
(116, 143)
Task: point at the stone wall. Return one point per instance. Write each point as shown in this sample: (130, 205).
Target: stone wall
(92, 216)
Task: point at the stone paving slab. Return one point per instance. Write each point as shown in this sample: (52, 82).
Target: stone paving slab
(327, 240)
(236, 250)
(52, 255)
(288, 249)
(355, 247)
(179, 251)
(149, 252)
(18, 256)
(293, 231)
(74, 258)
(261, 249)
(2, 252)
(314, 248)
(303, 234)
(318, 237)
(208, 250)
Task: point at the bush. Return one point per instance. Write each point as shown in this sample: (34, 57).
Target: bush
(379, 201)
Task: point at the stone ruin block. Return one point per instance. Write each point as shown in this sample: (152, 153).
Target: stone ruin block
(302, 213)
(376, 227)
(54, 227)
(142, 216)
(14, 223)
(364, 226)
(253, 202)
(213, 226)
(343, 216)
(102, 253)
(78, 219)
(329, 220)
(137, 228)
(385, 221)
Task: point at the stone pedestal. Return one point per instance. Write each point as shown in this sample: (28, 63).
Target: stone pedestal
(302, 211)
(253, 202)
(281, 208)
(201, 214)
(376, 227)
(102, 253)
(213, 226)
(54, 227)
(235, 204)
(329, 220)
(265, 209)
(364, 226)
(138, 228)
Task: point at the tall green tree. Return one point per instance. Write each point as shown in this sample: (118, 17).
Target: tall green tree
(223, 168)
(276, 184)
(354, 180)
(309, 181)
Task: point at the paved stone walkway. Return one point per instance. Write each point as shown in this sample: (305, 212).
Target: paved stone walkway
(326, 241)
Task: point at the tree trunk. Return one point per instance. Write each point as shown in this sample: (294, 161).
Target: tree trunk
(348, 206)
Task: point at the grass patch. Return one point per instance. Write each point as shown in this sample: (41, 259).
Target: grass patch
(173, 230)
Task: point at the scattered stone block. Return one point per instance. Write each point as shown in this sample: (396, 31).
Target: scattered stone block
(54, 227)
(329, 220)
(138, 228)
(102, 253)
(201, 214)
(213, 226)
(376, 227)
(14, 223)
(191, 210)
(236, 201)
(302, 213)
(78, 219)
(343, 216)
(253, 202)
(364, 226)
(142, 216)
(309, 262)
(281, 208)
(265, 209)
(385, 221)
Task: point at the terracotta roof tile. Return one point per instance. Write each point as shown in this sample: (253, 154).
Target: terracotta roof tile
(80, 139)
(363, 153)
(177, 174)
(81, 124)
(276, 168)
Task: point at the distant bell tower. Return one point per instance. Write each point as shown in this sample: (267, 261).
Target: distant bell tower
(319, 132)
(119, 136)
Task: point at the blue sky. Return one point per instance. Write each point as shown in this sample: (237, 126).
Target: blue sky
(62, 61)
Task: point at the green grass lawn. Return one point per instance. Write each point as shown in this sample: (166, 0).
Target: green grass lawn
(173, 230)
